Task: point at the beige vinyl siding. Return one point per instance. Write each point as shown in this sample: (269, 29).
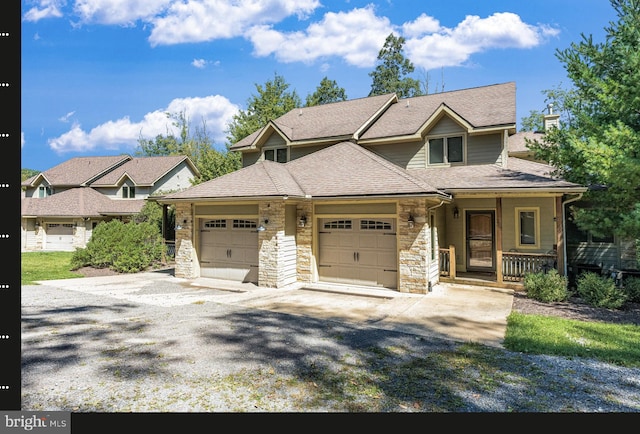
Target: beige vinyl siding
(226, 210)
(545, 207)
(300, 151)
(274, 141)
(388, 208)
(405, 155)
(486, 148)
(445, 126)
(249, 158)
(287, 248)
(176, 179)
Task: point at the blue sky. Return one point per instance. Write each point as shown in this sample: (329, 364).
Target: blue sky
(97, 75)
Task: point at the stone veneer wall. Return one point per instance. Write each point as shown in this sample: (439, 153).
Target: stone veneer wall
(268, 263)
(413, 247)
(185, 250)
(304, 248)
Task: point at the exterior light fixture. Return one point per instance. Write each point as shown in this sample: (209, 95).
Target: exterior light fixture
(411, 221)
(262, 227)
(303, 221)
(456, 213)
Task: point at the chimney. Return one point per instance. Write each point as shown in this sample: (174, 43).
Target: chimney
(551, 120)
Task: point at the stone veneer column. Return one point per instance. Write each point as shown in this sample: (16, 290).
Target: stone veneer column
(185, 251)
(268, 264)
(304, 248)
(413, 247)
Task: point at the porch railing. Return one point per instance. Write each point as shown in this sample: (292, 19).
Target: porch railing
(514, 265)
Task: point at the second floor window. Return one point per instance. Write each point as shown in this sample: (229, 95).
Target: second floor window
(278, 155)
(128, 192)
(44, 191)
(444, 150)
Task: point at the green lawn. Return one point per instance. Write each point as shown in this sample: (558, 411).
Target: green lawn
(611, 343)
(46, 266)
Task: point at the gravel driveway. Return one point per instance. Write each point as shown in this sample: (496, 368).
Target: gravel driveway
(89, 352)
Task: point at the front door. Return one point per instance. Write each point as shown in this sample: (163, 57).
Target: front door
(480, 240)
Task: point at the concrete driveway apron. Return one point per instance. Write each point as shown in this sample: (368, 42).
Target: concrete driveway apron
(462, 313)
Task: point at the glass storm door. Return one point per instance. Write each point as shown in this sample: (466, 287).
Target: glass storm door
(480, 240)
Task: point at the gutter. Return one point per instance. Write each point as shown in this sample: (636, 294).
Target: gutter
(564, 228)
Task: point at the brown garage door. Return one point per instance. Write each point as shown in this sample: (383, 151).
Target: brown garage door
(229, 249)
(358, 251)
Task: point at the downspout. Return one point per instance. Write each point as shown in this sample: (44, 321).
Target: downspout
(429, 209)
(564, 228)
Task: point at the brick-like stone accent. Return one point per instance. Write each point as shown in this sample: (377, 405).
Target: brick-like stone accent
(268, 264)
(413, 247)
(186, 259)
(304, 247)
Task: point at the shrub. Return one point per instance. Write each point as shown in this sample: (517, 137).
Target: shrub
(546, 287)
(631, 287)
(600, 291)
(124, 247)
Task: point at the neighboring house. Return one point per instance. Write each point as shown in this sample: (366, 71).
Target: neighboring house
(584, 250)
(378, 191)
(61, 206)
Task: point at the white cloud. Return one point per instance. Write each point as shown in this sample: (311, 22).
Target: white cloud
(206, 20)
(199, 63)
(215, 112)
(356, 36)
(119, 12)
(21, 139)
(454, 47)
(44, 9)
(66, 117)
(421, 25)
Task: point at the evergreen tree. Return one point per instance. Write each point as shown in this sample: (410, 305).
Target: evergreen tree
(599, 145)
(391, 73)
(328, 91)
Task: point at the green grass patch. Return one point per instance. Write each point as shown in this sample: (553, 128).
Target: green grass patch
(46, 266)
(610, 343)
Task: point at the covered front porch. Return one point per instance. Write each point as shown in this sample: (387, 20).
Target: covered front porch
(510, 271)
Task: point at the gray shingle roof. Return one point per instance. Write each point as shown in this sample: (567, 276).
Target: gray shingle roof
(339, 119)
(142, 171)
(79, 202)
(344, 169)
(518, 144)
(520, 174)
(80, 170)
(481, 107)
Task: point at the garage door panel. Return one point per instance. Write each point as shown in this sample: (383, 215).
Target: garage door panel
(228, 252)
(365, 254)
(59, 237)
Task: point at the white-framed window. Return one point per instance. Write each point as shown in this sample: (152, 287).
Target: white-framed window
(279, 155)
(44, 191)
(128, 192)
(527, 228)
(446, 150)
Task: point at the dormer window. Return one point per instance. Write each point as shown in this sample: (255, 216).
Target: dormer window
(44, 191)
(278, 155)
(446, 150)
(128, 192)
